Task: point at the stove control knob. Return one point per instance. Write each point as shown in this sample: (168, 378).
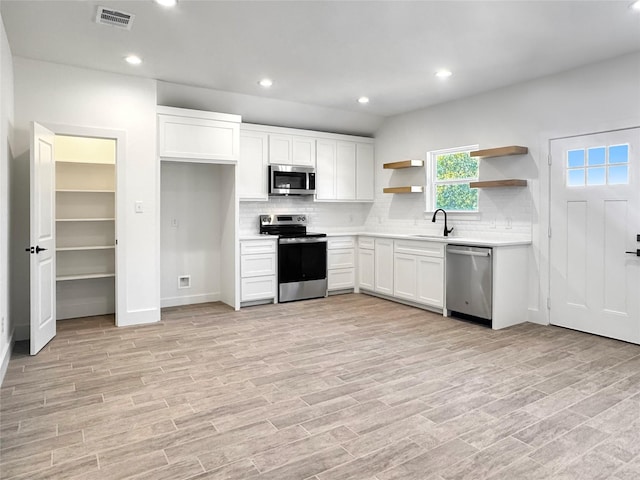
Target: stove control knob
(301, 219)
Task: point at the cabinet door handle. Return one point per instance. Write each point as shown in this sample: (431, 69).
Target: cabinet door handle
(636, 253)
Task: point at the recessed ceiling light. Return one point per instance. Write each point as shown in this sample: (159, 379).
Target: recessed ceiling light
(167, 3)
(265, 82)
(636, 5)
(133, 60)
(443, 73)
(363, 100)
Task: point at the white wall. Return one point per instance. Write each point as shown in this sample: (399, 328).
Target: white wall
(57, 94)
(269, 111)
(191, 211)
(593, 98)
(6, 156)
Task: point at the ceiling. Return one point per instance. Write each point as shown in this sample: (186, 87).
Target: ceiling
(329, 53)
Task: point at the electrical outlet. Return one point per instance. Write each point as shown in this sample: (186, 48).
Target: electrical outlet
(2, 331)
(139, 206)
(508, 225)
(492, 223)
(174, 222)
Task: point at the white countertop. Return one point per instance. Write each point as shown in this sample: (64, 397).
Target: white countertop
(481, 242)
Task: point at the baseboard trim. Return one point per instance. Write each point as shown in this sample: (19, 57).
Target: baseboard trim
(404, 302)
(84, 310)
(6, 356)
(189, 299)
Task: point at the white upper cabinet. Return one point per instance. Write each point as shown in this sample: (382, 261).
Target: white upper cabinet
(280, 149)
(346, 171)
(198, 136)
(292, 150)
(252, 166)
(365, 167)
(304, 151)
(326, 170)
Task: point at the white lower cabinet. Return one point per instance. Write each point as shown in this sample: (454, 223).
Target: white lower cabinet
(341, 264)
(258, 270)
(419, 272)
(366, 269)
(383, 266)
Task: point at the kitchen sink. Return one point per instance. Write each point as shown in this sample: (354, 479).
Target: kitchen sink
(428, 236)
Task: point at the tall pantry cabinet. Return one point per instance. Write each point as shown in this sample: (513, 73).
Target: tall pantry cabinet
(85, 226)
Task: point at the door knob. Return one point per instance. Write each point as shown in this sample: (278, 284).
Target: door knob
(38, 249)
(636, 253)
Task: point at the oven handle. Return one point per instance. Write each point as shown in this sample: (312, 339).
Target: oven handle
(303, 240)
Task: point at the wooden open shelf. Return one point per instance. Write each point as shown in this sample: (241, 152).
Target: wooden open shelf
(404, 164)
(499, 183)
(408, 189)
(500, 152)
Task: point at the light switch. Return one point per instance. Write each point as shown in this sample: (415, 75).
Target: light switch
(139, 207)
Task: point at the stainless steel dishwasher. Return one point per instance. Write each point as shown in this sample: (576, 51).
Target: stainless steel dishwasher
(469, 281)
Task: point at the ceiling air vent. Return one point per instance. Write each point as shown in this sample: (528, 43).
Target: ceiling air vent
(115, 18)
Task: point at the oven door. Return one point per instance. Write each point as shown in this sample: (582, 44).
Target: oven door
(289, 180)
(302, 268)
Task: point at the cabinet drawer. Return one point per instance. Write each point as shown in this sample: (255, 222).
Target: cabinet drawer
(344, 258)
(258, 265)
(249, 247)
(340, 242)
(341, 278)
(258, 288)
(416, 247)
(366, 242)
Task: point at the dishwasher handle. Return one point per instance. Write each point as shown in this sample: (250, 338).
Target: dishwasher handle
(470, 253)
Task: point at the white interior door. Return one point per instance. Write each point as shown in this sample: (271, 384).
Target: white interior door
(42, 237)
(595, 217)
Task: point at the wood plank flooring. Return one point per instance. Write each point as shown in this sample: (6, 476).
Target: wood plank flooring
(348, 387)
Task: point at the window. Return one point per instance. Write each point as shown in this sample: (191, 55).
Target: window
(448, 175)
(598, 166)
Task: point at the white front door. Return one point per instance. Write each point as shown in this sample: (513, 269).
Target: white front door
(595, 217)
(42, 237)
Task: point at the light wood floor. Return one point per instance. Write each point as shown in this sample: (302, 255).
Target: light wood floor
(348, 387)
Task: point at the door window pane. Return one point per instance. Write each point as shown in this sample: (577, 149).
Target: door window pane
(575, 178)
(575, 158)
(618, 175)
(596, 176)
(596, 156)
(619, 154)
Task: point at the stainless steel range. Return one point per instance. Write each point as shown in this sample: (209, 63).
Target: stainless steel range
(302, 257)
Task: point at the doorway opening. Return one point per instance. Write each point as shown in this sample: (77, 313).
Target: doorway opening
(85, 222)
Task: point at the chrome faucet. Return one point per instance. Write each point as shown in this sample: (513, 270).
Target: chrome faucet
(447, 231)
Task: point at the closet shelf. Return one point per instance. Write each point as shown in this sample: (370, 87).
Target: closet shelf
(83, 190)
(78, 249)
(83, 163)
(500, 151)
(86, 276)
(85, 219)
(498, 183)
(404, 164)
(407, 189)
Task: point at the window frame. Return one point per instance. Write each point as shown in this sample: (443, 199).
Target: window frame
(432, 182)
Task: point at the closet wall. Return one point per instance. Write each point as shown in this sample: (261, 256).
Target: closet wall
(193, 201)
(85, 226)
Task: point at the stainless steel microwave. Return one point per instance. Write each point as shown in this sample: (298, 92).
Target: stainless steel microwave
(291, 180)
